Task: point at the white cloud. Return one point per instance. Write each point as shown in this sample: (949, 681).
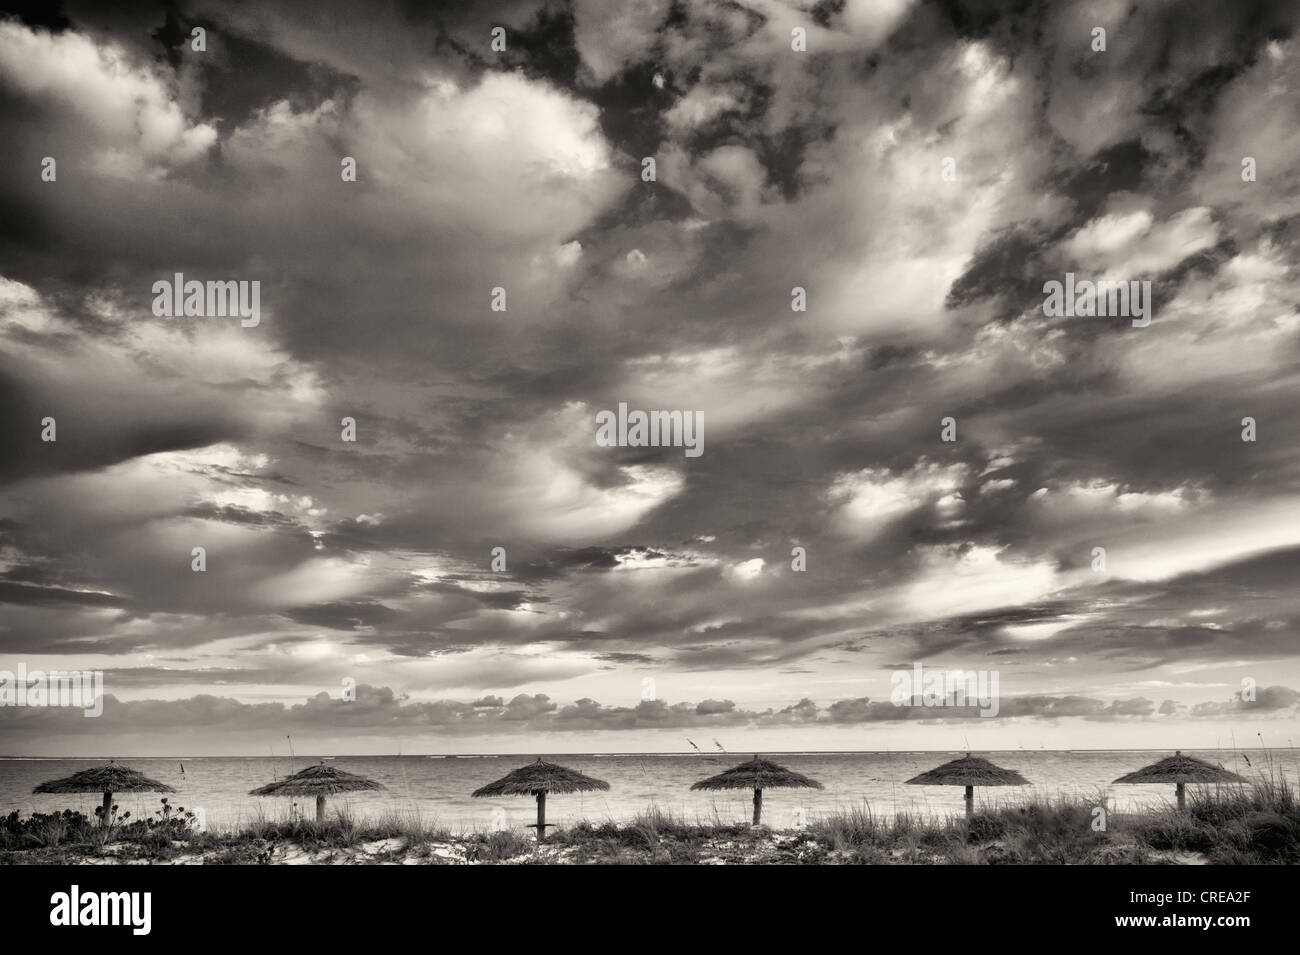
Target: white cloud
(138, 125)
(554, 501)
(746, 570)
(959, 580)
(863, 502)
(1132, 245)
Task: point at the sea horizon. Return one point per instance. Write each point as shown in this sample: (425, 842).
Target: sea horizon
(522, 754)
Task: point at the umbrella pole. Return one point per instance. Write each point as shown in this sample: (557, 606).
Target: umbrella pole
(108, 808)
(758, 805)
(541, 816)
(320, 808)
(1182, 796)
(970, 802)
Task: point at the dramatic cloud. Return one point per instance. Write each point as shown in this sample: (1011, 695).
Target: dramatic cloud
(504, 268)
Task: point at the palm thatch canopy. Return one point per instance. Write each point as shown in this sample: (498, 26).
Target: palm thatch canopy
(969, 771)
(541, 777)
(111, 778)
(318, 780)
(538, 779)
(758, 774)
(1181, 769)
(105, 779)
(108, 780)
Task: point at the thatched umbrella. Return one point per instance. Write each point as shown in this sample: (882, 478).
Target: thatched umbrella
(1181, 770)
(107, 780)
(538, 779)
(319, 781)
(757, 774)
(969, 771)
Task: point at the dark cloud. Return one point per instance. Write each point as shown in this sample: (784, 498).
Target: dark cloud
(373, 559)
(343, 616)
(15, 593)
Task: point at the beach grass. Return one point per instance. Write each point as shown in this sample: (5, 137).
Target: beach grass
(342, 829)
(1246, 825)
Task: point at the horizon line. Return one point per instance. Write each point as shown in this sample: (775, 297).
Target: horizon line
(737, 753)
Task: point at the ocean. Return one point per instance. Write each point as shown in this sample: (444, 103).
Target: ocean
(439, 787)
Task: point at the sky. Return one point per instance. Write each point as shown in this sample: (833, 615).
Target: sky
(918, 170)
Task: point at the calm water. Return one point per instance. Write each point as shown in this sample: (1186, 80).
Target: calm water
(439, 787)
